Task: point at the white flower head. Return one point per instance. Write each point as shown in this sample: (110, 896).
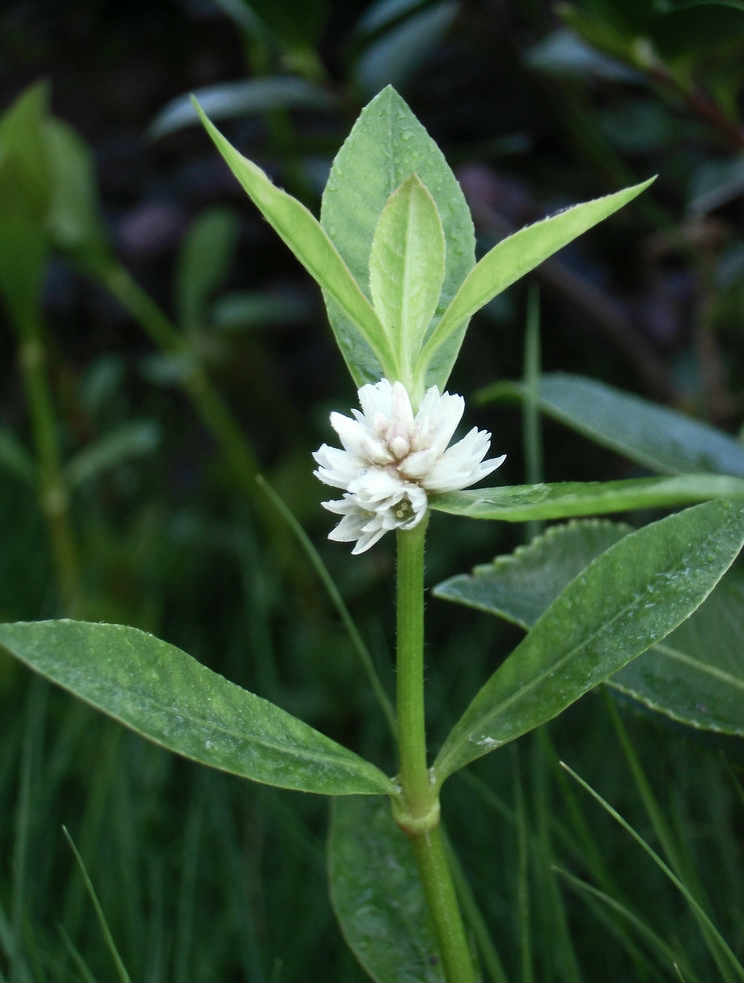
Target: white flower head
(391, 459)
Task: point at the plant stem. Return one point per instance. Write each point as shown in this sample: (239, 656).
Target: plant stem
(208, 402)
(419, 816)
(52, 490)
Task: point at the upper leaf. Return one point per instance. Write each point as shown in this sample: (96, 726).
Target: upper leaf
(516, 255)
(165, 695)
(360, 337)
(406, 270)
(626, 600)
(654, 436)
(386, 145)
(520, 503)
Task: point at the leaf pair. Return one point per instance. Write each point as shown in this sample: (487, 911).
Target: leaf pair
(394, 250)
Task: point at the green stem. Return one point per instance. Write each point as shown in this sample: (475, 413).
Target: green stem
(208, 402)
(52, 489)
(418, 814)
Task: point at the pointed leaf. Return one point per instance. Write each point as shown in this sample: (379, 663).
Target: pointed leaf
(652, 435)
(387, 144)
(377, 895)
(629, 598)
(171, 699)
(361, 338)
(519, 253)
(696, 675)
(406, 269)
(519, 503)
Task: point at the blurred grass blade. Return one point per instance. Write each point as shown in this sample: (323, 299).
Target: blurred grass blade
(171, 699)
(519, 253)
(630, 597)
(522, 907)
(120, 967)
(654, 436)
(338, 602)
(83, 969)
(533, 449)
(307, 239)
(736, 970)
(377, 894)
(654, 942)
(565, 499)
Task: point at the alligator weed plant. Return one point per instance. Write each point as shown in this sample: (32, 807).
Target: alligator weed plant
(394, 255)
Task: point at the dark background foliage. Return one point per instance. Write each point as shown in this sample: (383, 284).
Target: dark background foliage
(536, 106)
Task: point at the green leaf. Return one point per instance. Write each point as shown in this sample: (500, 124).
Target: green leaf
(203, 262)
(25, 194)
(377, 894)
(387, 144)
(134, 439)
(361, 338)
(74, 220)
(652, 435)
(406, 270)
(629, 598)
(519, 253)
(231, 99)
(519, 503)
(171, 699)
(696, 675)
(522, 585)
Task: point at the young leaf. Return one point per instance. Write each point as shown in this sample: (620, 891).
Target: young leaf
(171, 699)
(377, 895)
(654, 436)
(203, 262)
(626, 600)
(387, 144)
(362, 338)
(406, 270)
(696, 675)
(518, 503)
(516, 255)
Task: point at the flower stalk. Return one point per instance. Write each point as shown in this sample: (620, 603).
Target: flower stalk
(418, 814)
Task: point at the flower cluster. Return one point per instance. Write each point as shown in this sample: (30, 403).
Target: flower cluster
(391, 459)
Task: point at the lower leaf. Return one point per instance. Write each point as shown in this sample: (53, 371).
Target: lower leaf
(377, 894)
(629, 598)
(171, 699)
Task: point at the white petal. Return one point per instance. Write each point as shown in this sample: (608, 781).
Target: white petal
(376, 400)
(359, 441)
(461, 465)
(337, 467)
(437, 420)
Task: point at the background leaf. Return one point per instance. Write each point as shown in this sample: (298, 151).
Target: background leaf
(203, 262)
(519, 503)
(386, 145)
(230, 99)
(377, 894)
(630, 597)
(168, 697)
(652, 435)
(517, 254)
